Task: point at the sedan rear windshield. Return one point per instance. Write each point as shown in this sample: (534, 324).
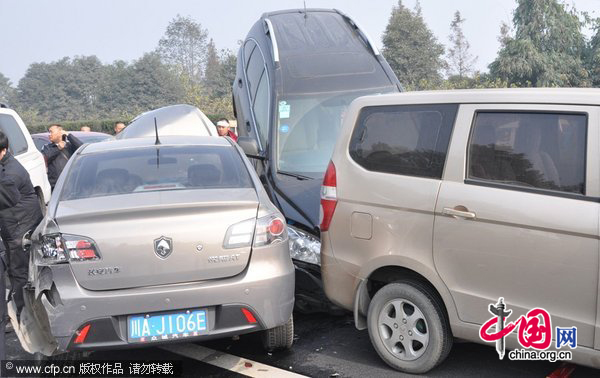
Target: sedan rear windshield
(155, 168)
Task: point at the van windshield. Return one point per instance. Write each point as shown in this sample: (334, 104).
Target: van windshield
(308, 126)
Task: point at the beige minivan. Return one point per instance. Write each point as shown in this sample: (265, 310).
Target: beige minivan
(468, 215)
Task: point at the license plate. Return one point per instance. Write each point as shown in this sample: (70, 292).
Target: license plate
(171, 326)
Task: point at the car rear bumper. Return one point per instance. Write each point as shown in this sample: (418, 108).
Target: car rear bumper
(266, 288)
(111, 332)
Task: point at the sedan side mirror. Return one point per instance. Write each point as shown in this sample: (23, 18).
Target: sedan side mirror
(250, 147)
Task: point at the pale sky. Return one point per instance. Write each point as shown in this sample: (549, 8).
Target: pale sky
(47, 30)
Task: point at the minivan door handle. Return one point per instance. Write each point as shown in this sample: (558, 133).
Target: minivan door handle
(459, 212)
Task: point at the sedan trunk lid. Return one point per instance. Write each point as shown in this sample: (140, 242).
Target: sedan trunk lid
(159, 237)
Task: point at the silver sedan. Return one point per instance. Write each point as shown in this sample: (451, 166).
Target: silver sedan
(151, 241)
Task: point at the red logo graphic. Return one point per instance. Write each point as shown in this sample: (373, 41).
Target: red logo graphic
(535, 328)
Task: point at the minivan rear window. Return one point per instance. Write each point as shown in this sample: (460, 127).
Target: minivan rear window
(530, 150)
(404, 139)
(153, 168)
(17, 144)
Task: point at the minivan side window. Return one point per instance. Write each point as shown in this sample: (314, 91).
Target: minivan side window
(403, 139)
(17, 144)
(531, 150)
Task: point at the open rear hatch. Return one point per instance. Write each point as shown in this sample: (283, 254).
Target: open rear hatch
(158, 238)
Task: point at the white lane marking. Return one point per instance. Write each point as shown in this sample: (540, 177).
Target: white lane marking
(228, 361)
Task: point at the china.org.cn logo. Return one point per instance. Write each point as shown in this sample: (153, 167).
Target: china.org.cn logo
(534, 334)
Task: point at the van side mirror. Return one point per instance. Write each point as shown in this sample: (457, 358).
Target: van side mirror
(250, 147)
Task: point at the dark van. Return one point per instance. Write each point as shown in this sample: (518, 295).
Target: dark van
(297, 72)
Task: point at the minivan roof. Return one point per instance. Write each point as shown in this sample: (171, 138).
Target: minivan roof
(567, 96)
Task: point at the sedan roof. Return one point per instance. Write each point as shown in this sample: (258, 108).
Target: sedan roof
(170, 120)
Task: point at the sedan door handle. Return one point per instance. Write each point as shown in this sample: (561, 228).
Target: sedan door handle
(459, 212)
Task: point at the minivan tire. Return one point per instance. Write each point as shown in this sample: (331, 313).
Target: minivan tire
(423, 318)
(279, 338)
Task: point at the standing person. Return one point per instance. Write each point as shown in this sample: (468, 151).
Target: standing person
(58, 152)
(119, 126)
(9, 197)
(86, 129)
(223, 129)
(16, 221)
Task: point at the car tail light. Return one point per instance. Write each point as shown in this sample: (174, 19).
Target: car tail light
(82, 334)
(269, 230)
(276, 227)
(80, 248)
(249, 316)
(240, 234)
(62, 248)
(328, 196)
(264, 231)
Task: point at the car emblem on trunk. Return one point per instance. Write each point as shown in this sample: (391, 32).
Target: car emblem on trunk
(163, 247)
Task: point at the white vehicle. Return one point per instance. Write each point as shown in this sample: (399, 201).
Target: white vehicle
(22, 147)
(170, 120)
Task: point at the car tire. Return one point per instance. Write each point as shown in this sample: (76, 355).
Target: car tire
(279, 338)
(408, 327)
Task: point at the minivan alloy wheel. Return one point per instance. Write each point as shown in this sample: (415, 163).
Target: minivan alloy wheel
(408, 326)
(403, 329)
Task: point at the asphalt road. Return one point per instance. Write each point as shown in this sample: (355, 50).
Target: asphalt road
(330, 346)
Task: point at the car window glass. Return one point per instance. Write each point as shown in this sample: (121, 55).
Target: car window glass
(17, 144)
(308, 126)
(151, 169)
(94, 138)
(254, 71)
(534, 150)
(407, 140)
(261, 108)
(39, 143)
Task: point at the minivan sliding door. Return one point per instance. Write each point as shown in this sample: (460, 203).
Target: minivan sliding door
(517, 213)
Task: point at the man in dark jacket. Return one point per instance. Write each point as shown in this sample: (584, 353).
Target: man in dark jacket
(9, 197)
(57, 153)
(17, 220)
